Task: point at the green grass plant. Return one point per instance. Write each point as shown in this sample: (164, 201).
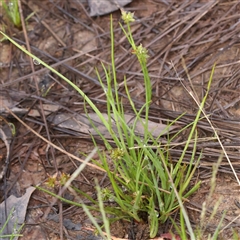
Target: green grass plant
(12, 11)
(201, 228)
(143, 179)
(16, 230)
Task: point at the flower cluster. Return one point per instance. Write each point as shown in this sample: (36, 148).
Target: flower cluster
(57, 180)
(127, 17)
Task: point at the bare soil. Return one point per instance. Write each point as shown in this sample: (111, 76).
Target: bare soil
(184, 39)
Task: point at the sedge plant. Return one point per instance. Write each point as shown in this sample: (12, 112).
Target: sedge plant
(143, 179)
(140, 177)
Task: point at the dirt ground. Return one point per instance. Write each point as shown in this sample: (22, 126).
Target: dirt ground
(184, 40)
